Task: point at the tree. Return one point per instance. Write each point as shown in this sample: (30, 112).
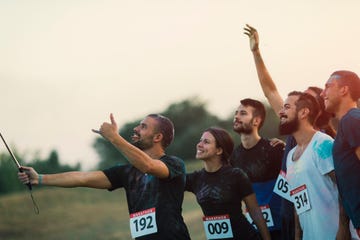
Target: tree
(8, 175)
(190, 118)
(8, 170)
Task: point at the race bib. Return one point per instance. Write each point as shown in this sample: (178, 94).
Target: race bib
(300, 198)
(143, 223)
(266, 212)
(217, 227)
(282, 187)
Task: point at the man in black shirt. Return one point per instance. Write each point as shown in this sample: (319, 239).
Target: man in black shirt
(259, 159)
(154, 182)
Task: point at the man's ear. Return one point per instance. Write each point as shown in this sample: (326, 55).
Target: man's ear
(344, 90)
(304, 113)
(158, 137)
(257, 121)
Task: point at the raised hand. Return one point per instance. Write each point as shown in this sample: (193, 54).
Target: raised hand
(108, 130)
(253, 37)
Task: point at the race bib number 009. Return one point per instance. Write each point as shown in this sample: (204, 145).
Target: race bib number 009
(143, 223)
(217, 227)
(301, 199)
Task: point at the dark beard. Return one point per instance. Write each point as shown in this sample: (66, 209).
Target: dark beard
(142, 145)
(244, 129)
(289, 127)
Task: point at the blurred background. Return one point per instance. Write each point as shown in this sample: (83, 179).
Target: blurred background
(66, 65)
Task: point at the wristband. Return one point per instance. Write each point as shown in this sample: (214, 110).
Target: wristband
(40, 180)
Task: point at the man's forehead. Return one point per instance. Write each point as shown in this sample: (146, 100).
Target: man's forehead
(333, 78)
(291, 99)
(148, 121)
(245, 108)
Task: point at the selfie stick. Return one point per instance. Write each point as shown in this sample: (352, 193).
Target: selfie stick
(15, 160)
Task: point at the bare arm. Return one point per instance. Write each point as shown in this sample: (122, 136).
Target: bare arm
(344, 228)
(357, 152)
(95, 179)
(256, 215)
(136, 157)
(267, 84)
(298, 230)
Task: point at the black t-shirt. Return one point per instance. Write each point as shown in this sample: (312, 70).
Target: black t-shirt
(220, 193)
(347, 164)
(144, 191)
(261, 162)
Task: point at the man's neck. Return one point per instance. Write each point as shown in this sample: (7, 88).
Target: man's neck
(250, 140)
(155, 153)
(304, 135)
(345, 108)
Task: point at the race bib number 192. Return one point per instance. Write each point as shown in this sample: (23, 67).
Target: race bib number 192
(143, 223)
(217, 227)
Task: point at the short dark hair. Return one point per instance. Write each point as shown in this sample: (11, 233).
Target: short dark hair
(307, 101)
(224, 141)
(166, 127)
(350, 79)
(258, 106)
(323, 120)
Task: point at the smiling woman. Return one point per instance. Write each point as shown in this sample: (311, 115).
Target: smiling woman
(220, 190)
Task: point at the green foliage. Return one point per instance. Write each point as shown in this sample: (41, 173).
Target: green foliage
(78, 213)
(52, 164)
(270, 129)
(8, 171)
(190, 118)
(8, 175)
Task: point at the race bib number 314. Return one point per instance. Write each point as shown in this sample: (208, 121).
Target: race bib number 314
(143, 223)
(301, 199)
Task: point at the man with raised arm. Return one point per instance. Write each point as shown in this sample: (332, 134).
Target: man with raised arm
(154, 182)
(276, 102)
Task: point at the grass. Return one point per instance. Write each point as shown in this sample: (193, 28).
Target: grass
(79, 213)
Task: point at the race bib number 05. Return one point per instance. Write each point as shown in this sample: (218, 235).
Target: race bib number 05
(301, 199)
(143, 223)
(281, 187)
(217, 227)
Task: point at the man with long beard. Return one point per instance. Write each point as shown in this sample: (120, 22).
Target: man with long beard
(259, 159)
(310, 170)
(154, 182)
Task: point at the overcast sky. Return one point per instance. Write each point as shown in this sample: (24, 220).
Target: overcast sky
(66, 65)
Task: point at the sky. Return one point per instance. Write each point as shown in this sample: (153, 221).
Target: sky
(66, 65)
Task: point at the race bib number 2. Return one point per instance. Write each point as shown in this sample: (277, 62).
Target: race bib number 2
(266, 212)
(143, 223)
(217, 227)
(301, 199)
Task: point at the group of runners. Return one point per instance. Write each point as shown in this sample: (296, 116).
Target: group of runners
(306, 188)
